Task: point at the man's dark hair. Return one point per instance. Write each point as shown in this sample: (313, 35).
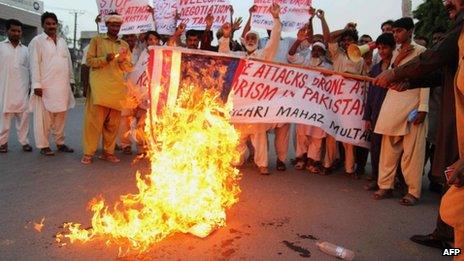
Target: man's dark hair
(388, 22)
(113, 13)
(48, 15)
(405, 23)
(11, 22)
(366, 36)
(418, 37)
(386, 39)
(191, 33)
(154, 33)
(350, 33)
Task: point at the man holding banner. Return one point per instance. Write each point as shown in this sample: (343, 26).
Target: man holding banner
(338, 44)
(256, 132)
(309, 138)
(109, 59)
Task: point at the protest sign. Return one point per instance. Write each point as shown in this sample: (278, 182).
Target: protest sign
(294, 14)
(138, 81)
(165, 16)
(136, 16)
(194, 12)
(265, 92)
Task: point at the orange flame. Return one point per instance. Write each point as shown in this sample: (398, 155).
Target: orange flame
(39, 226)
(192, 181)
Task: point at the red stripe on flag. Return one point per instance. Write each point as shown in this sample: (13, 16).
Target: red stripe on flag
(165, 80)
(238, 72)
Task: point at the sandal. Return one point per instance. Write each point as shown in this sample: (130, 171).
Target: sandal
(127, 150)
(383, 194)
(47, 152)
(86, 160)
(27, 148)
(4, 148)
(109, 157)
(409, 200)
(300, 164)
(64, 148)
(313, 169)
(371, 186)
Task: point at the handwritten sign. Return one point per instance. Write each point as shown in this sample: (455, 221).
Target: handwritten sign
(294, 14)
(194, 12)
(165, 16)
(136, 17)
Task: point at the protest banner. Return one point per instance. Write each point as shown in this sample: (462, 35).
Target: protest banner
(194, 12)
(138, 82)
(165, 16)
(136, 16)
(294, 14)
(265, 92)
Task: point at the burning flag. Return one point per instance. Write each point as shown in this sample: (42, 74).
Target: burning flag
(192, 182)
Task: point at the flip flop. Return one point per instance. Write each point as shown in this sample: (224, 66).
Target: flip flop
(64, 148)
(383, 194)
(47, 152)
(86, 160)
(409, 200)
(109, 157)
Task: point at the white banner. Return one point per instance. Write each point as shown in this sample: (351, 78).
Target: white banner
(137, 18)
(138, 81)
(294, 14)
(165, 16)
(194, 12)
(271, 93)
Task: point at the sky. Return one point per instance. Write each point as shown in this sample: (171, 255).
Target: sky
(368, 14)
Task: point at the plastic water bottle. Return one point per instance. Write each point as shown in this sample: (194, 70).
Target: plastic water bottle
(335, 250)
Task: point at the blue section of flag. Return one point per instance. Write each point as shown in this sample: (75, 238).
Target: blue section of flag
(209, 72)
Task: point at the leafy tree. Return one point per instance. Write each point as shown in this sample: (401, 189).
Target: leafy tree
(431, 15)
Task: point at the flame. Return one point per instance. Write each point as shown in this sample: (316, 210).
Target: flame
(39, 226)
(192, 181)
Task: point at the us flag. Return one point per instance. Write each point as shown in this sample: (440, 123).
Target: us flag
(171, 68)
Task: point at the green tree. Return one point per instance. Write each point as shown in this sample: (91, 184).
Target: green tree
(431, 15)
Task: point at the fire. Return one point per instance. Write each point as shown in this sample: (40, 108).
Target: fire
(39, 226)
(191, 185)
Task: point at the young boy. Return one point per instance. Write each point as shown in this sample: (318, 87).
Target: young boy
(375, 96)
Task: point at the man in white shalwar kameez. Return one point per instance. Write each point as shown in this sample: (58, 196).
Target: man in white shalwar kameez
(52, 76)
(309, 138)
(14, 86)
(257, 132)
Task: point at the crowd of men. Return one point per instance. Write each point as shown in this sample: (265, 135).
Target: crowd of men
(414, 107)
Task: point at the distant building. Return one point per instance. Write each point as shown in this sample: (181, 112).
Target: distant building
(26, 11)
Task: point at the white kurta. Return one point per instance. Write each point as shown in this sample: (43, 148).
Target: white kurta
(14, 78)
(257, 131)
(14, 91)
(51, 71)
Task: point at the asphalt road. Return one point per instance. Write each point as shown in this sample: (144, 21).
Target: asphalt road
(277, 218)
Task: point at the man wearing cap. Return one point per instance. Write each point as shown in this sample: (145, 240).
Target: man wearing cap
(338, 43)
(257, 132)
(403, 124)
(51, 78)
(109, 58)
(309, 138)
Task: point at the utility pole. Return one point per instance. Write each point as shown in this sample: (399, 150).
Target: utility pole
(76, 13)
(406, 8)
